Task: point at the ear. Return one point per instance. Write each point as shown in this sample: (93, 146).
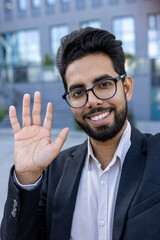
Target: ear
(128, 87)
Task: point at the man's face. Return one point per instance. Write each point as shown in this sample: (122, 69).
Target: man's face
(102, 120)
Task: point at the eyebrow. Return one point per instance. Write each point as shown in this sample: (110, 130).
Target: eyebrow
(82, 85)
(101, 78)
(74, 86)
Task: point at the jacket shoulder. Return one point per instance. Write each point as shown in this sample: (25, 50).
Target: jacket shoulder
(153, 144)
(145, 141)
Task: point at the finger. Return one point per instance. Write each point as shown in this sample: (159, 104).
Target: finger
(60, 140)
(49, 117)
(36, 113)
(13, 119)
(26, 116)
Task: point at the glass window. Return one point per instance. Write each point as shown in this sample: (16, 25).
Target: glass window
(22, 5)
(22, 8)
(65, 5)
(154, 35)
(155, 97)
(57, 32)
(29, 44)
(124, 30)
(50, 5)
(8, 6)
(36, 3)
(23, 47)
(1, 53)
(97, 3)
(80, 4)
(50, 2)
(92, 23)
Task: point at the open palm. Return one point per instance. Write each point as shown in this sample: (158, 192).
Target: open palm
(33, 147)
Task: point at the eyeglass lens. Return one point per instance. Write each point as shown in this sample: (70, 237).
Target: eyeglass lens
(103, 90)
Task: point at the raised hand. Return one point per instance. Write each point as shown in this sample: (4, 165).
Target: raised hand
(33, 149)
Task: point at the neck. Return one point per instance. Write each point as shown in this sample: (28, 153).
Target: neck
(104, 151)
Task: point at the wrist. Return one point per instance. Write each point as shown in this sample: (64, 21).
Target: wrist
(28, 178)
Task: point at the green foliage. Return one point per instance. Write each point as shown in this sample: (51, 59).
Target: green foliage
(2, 114)
(47, 61)
(129, 56)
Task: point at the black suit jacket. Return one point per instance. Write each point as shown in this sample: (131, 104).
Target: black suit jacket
(47, 211)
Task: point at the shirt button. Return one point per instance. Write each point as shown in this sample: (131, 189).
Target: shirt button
(102, 223)
(103, 182)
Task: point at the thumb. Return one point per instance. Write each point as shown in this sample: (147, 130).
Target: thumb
(60, 140)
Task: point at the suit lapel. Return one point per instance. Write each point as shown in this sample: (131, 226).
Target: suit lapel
(66, 193)
(131, 176)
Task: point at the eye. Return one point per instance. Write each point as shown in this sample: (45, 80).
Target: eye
(105, 84)
(77, 93)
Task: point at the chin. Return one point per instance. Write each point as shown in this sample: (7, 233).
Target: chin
(105, 132)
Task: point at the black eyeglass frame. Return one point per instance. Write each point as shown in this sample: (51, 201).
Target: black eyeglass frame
(115, 80)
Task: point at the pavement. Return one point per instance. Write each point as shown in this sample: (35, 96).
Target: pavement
(7, 156)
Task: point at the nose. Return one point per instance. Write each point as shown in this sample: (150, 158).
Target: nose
(93, 101)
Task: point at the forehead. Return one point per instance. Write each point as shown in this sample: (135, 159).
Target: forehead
(86, 69)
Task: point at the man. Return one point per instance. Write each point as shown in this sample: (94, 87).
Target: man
(108, 187)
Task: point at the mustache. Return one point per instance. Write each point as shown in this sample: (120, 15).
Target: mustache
(97, 110)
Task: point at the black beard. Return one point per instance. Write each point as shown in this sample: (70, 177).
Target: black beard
(106, 132)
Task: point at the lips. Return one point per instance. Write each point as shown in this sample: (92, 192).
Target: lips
(100, 116)
(100, 119)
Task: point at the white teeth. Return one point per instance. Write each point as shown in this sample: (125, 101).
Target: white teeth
(99, 117)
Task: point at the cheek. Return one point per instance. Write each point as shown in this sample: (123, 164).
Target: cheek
(119, 100)
(77, 113)
(121, 95)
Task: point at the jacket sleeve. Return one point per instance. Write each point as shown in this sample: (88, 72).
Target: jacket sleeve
(23, 217)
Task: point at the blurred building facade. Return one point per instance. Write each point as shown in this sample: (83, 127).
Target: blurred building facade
(30, 32)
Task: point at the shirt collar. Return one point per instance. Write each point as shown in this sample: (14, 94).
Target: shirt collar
(121, 151)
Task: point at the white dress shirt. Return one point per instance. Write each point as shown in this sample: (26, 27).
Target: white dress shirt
(95, 204)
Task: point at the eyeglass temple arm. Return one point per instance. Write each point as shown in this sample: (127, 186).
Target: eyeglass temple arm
(121, 77)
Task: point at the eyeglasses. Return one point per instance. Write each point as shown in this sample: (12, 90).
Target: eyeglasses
(104, 89)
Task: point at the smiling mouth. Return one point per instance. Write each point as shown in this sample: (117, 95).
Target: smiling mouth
(100, 116)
